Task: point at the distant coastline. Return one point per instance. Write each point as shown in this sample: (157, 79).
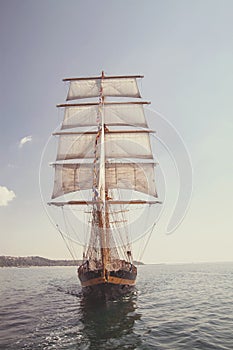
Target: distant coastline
(28, 261)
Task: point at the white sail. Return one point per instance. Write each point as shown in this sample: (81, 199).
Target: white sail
(131, 176)
(114, 114)
(128, 145)
(76, 146)
(132, 144)
(119, 87)
(71, 178)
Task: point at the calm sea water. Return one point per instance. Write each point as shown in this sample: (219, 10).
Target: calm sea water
(175, 307)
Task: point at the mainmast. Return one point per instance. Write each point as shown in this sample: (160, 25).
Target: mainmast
(101, 185)
(101, 207)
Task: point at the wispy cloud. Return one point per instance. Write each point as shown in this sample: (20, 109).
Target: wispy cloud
(24, 140)
(11, 166)
(6, 196)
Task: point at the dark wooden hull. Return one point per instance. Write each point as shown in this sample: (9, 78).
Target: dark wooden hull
(108, 285)
(107, 291)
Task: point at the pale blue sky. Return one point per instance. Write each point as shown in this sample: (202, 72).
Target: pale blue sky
(183, 48)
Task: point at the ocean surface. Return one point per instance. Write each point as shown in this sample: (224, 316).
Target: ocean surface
(186, 306)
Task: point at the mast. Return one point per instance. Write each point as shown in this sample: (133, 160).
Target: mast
(102, 188)
(102, 147)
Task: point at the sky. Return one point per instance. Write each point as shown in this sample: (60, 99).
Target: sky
(184, 49)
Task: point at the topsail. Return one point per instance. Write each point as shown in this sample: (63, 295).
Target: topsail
(116, 113)
(110, 86)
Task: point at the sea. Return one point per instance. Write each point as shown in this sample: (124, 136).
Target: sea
(182, 306)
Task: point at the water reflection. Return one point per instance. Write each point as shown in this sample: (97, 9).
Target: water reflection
(110, 325)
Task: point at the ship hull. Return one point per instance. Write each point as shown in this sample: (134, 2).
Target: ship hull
(107, 291)
(108, 285)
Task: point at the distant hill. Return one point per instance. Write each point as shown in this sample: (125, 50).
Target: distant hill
(11, 261)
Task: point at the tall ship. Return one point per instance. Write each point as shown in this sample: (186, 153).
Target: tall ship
(105, 167)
